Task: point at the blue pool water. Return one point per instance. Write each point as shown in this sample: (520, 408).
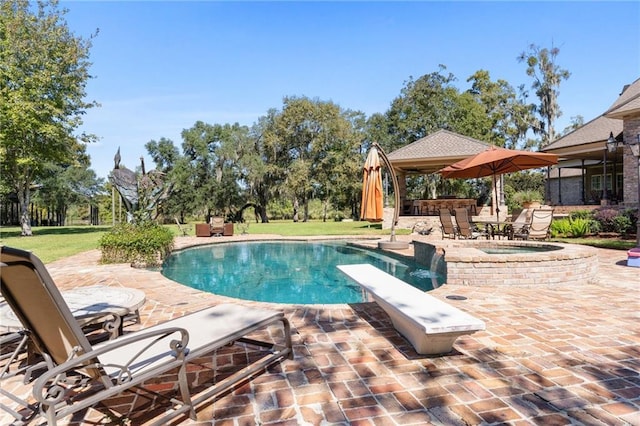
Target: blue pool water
(285, 272)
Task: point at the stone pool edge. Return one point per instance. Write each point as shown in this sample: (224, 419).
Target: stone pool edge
(469, 266)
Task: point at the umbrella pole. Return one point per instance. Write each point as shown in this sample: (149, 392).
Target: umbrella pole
(392, 244)
(497, 197)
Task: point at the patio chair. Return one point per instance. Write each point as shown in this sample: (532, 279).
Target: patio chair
(465, 228)
(78, 375)
(446, 224)
(519, 225)
(217, 226)
(539, 227)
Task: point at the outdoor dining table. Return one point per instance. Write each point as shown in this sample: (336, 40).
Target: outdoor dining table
(496, 228)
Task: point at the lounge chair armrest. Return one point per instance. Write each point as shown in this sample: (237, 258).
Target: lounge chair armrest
(108, 321)
(55, 384)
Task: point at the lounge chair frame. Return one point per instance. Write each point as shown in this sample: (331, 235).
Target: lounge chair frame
(78, 375)
(449, 230)
(465, 228)
(539, 226)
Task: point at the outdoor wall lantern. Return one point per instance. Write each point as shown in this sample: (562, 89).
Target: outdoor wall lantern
(634, 145)
(612, 144)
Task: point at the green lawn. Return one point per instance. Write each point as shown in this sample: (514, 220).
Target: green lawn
(50, 243)
(55, 242)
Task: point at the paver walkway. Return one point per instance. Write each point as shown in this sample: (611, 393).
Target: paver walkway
(561, 355)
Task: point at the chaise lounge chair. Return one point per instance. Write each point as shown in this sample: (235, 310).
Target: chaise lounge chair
(79, 375)
(519, 225)
(465, 228)
(539, 227)
(446, 224)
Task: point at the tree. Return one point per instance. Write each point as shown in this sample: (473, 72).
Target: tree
(547, 76)
(508, 113)
(64, 185)
(175, 168)
(42, 86)
(304, 145)
(212, 153)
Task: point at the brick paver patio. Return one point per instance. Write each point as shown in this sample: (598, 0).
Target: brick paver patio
(551, 355)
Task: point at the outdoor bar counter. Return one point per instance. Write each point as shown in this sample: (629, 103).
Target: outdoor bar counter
(433, 206)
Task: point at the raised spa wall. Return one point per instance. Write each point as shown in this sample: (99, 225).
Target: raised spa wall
(467, 265)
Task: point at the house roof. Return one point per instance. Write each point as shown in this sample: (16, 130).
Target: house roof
(591, 136)
(587, 144)
(435, 151)
(627, 104)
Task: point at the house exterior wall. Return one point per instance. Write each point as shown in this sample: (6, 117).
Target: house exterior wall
(630, 162)
(570, 188)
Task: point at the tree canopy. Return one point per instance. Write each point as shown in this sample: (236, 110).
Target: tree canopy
(42, 86)
(547, 76)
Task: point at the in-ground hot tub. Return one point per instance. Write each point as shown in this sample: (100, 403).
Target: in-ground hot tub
(520, 263)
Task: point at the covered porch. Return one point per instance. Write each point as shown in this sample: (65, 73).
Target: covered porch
(588, 174)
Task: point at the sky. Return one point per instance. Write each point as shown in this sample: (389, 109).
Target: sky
(158, 67)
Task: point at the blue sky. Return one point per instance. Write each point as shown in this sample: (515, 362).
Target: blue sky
(161, 66)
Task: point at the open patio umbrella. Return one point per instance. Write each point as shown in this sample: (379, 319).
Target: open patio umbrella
(496, 161)
(371, 208)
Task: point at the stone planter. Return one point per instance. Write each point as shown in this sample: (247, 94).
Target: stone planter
(531, 205)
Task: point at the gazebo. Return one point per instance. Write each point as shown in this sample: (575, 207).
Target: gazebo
(426, 156)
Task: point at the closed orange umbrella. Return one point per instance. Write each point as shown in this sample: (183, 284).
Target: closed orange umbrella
(371, 207)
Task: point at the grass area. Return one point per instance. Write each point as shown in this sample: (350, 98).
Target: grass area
(608, 243)
(289, 228)
(51, 243)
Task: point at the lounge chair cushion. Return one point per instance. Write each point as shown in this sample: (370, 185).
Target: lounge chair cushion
(209, 328)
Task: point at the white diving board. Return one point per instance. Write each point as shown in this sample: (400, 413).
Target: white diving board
(430, 324)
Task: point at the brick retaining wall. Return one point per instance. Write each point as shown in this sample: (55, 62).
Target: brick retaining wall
(467, 265)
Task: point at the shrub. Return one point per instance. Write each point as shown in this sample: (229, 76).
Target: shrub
(581, 227)
(622, 224)
(581, 214)
(560, 227)
(606, 217)
(519, 198)
(569, 227)
(617, 220)
(145, 244)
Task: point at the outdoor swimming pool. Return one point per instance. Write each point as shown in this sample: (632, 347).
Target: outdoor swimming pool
(296, 272)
